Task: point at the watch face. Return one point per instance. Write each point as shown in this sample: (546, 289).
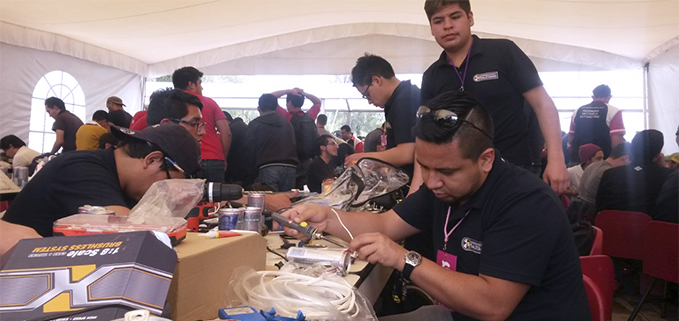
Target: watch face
(413, 258)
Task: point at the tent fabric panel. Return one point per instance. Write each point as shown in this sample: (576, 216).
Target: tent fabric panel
(663, 96)
(22, 68)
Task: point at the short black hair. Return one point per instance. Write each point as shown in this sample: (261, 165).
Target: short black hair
(346, 128)
(295, 100)
(183, 76)
(268, 102)
(601, 91)
(137, 148)
(100, 115)
(227, 115)
(431, 7)
(368, 66)
(11, 139)
(170, 103)
(108, 138)
(623, 149)
(472, 141)
(646, 144)
(54, 101)
(322, 141)
(322, 119)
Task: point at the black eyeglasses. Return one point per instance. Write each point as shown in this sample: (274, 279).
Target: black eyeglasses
(365, 93)
(197, 125)
(447, 117)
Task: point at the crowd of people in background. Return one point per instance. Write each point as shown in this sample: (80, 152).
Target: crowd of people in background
(470, 139)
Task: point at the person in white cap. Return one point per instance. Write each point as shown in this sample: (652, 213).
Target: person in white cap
(116, 114)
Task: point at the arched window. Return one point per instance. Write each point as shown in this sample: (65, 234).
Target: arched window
(58, 84)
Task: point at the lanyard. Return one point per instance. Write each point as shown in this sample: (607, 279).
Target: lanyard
(466, 64)
(447, 234)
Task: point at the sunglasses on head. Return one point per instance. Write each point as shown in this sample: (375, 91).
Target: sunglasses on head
(447, 117)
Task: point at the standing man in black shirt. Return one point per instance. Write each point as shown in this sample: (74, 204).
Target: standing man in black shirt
(500, 76)
(116, 114)
(504, 246)
(320, 167)
(65, 125)
(375, 79)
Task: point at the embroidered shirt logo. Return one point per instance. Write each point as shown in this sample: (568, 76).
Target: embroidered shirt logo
(493, 75)
(471, 245)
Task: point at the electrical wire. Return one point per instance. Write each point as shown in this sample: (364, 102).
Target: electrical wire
(340, 221)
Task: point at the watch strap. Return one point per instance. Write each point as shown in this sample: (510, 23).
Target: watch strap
(407, 270)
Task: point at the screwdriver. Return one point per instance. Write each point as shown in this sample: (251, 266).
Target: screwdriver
(310, 233)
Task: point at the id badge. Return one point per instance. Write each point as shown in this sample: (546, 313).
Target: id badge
(446, 260)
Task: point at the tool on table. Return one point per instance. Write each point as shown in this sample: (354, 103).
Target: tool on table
(310, 233)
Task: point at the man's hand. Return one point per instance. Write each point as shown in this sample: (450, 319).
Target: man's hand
(275, 202)
(10, 234)
(557, 177)
(352, 159)
(314, 215)
(378, 248)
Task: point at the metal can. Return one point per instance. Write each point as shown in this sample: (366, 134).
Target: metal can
(256, 200)
(20, 176)
(335, 258)
(252, 219)
(99, 210)
(228, 218)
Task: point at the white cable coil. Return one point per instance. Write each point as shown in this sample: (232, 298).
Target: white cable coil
(316, 297)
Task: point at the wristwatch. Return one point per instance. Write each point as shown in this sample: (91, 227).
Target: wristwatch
(413, 259)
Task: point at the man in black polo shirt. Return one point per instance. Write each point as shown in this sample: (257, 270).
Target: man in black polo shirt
(504, 246)
(113, 178)
(375, 79)
(321, 167)
(500, 76)
(65, 125)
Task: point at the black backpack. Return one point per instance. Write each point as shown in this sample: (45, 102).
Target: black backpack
(305, 135)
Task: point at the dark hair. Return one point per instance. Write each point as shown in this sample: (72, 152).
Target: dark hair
(54, 101)
(369, 66)
(322, 141)
(296, 100)
(137, 148)
(346, 128)
(11, 139)
(431, 7)
(471, 140)
(100, 115)
(646, 144)
(170, 103)
(621, 150)
(322, 119)
(183, 76)
(227, 115)
(108, 138)
(601, 91)
(267, 102)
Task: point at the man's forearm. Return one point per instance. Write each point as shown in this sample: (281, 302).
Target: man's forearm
(55, 147)
(400, 155)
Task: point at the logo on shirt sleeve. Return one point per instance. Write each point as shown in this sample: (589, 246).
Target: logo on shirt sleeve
(492, 75)
(471, 245)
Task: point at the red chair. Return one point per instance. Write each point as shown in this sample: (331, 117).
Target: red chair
(661, 257)
(595, 298)
(623, 233)
(565, 201)
(599, 269)
(597, 245)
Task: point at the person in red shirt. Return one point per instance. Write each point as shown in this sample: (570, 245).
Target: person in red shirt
(217, 139)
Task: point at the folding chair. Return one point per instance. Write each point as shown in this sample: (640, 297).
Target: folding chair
(623, 233)
(597, 246)
(599, 269)
(661, 257)
(595, 298)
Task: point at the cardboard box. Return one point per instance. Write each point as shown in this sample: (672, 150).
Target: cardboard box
(89, 277)
(201, 277)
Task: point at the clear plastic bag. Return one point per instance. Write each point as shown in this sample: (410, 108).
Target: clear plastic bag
(169, 198)
(368, 179)
(323, 297)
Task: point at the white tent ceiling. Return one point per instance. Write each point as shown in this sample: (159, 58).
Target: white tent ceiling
(152, 38)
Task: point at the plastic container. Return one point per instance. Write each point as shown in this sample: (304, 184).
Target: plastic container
(86, 224)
